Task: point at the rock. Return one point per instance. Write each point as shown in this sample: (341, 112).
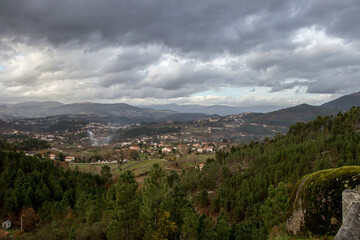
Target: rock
(348, 198)
(351, 226)
(315, 204)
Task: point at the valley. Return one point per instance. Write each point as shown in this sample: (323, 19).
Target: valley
(220, 171)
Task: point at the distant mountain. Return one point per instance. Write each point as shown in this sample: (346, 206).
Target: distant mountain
(124, 113)
(38, 104)
(292, 115)
(119, 112)
(28, 109)
(305, 112)
(221, 110)
(344, 103)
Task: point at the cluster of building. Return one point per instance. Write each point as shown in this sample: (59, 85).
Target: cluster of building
(69, 159)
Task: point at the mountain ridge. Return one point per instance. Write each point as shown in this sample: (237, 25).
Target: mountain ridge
(221, 110)
(345, 102)
(123, 112)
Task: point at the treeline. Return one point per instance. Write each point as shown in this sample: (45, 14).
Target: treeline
(70, 126)
(239, 194)
(28, 144)
(32, 144)
(28, 182)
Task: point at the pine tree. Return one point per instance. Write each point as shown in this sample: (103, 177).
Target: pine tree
(124, 205)
(154, 199)
(273, 211)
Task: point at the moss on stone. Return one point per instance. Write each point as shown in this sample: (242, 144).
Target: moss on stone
(318, 196)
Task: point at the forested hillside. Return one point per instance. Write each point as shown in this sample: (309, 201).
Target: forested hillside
(240, 194)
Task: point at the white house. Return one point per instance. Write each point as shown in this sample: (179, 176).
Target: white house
(205, 149)
(69, 159)
(52, 156)
(166, 150)
(6, 225)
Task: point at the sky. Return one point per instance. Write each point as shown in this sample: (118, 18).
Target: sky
(232, 52)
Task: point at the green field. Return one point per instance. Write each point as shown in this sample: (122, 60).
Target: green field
(142, 167)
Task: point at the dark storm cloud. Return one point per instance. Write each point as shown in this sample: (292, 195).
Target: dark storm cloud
(186, 25)
(210, 25)
(169, 48)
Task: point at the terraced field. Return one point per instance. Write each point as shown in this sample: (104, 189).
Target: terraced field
(142, 167)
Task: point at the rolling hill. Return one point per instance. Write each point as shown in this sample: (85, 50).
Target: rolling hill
(305, 112)
(124, 113)
(221, 110)
(292, 115)
(345, 102)
(119, 112)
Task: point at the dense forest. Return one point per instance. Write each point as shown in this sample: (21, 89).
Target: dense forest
(27, 144)
(239, 194)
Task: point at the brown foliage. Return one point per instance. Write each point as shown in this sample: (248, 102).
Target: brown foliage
(29, 219)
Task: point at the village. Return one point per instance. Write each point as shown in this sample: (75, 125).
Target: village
(90, 142)
(94, 145)
(88, 146)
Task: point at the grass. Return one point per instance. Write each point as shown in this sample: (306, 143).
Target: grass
(13, 230)
(93, 168)
(142, 167)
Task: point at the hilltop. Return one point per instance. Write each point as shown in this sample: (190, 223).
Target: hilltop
(117, 112)
(344, 102)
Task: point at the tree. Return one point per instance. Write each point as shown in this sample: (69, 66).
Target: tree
(273, 211)
(29, 197)
(244, 230)
(71, 235)
(29, 219)
(190, 227)
(134, 155)
(124, 205)
(206, 229)
(114, 231)
(154, 199)
(105, 173)
(61, 157)
(203, 198)
(163, 227)
(222, 227)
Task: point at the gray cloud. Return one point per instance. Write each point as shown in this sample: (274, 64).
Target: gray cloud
(83, 50)
(189, 26)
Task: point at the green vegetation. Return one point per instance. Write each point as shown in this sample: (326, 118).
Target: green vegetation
(324, 215)
(32, 144)
(241, 194)
(70, 126)
(28, 182)
(254, 130)
(142, 167)
(241, 178)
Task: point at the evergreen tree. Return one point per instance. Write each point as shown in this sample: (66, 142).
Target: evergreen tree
(274, 209)
(154, 199)
(124, 205)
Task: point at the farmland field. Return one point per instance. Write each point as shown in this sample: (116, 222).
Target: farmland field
(142, 167)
